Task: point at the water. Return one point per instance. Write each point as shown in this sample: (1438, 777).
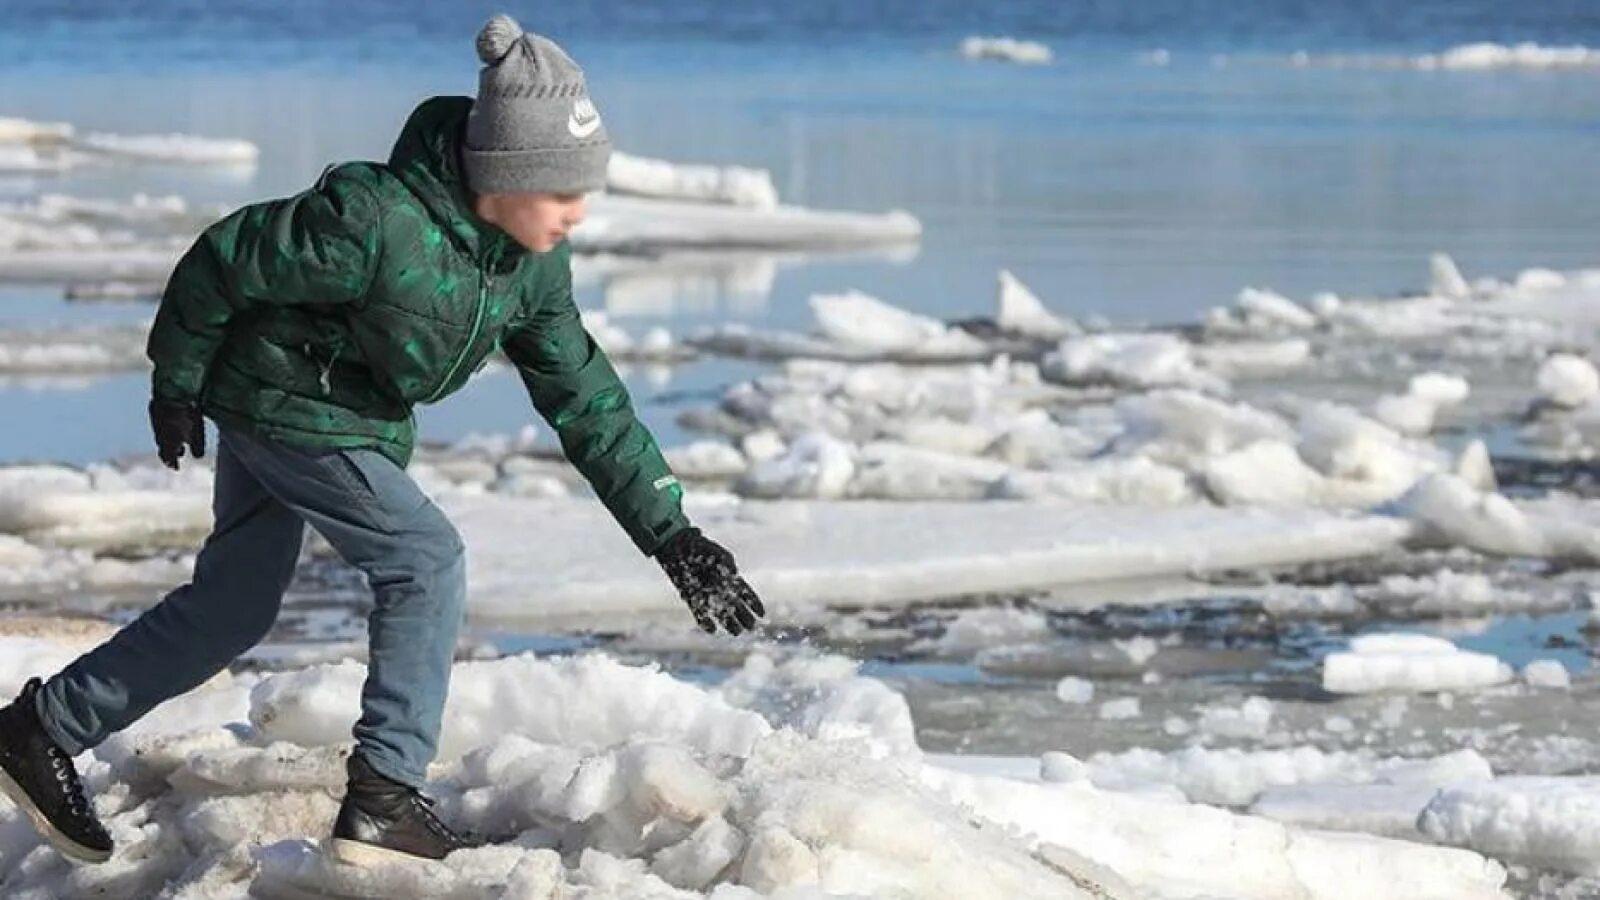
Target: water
(1143, 193)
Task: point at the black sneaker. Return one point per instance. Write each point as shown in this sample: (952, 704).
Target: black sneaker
(383, 820)
(39, 777)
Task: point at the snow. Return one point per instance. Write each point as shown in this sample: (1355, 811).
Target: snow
(736, 185)
(587, 702)
(1568, 381)
(1549, 822)
(1409, 662)
(646, 785)
(1006, 49)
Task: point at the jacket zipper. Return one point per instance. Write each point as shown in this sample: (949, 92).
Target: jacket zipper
(324, 369)
(472, 338)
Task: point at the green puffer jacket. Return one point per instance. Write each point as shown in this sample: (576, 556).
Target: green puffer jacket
(321, 319)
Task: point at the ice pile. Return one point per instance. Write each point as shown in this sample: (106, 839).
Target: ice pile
(792, 781)
(827, 430)
(1409, 662)
(1006, 49)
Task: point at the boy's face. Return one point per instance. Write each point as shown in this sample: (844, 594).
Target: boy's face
(536, 221)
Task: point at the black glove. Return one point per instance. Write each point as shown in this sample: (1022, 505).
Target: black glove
(708, 580)
(177, 424)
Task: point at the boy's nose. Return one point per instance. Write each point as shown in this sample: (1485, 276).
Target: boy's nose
(576, 212)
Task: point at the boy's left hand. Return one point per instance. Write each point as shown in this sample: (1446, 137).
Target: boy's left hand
(176, 425)
(708, 580)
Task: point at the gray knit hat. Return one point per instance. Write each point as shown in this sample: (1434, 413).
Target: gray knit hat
(533, 127)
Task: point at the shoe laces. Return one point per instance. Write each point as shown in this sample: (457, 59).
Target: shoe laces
(67, 778)
(423, 804)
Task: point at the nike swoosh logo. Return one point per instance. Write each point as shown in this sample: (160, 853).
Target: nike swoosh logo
(584, 128)
(585, 119)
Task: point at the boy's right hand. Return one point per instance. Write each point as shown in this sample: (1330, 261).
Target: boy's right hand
(177, 425)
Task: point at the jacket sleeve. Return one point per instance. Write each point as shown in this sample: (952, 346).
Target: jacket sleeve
(575, 389)
(317, 247)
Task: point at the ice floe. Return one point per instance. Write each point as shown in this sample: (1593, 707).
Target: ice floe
(1481, 56)
(174, 148)
(636, 224)
(1006, 49)
(738, 185)
(1409, 662)
(1542, 821)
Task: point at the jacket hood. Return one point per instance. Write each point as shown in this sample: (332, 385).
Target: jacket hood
(427, 159)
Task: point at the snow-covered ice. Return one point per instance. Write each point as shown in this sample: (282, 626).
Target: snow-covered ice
(1409, 662)
(1542, 821)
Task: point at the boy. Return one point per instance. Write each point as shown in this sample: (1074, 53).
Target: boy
(307, 328)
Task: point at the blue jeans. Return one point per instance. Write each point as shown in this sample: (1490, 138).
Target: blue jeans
(375, 516)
